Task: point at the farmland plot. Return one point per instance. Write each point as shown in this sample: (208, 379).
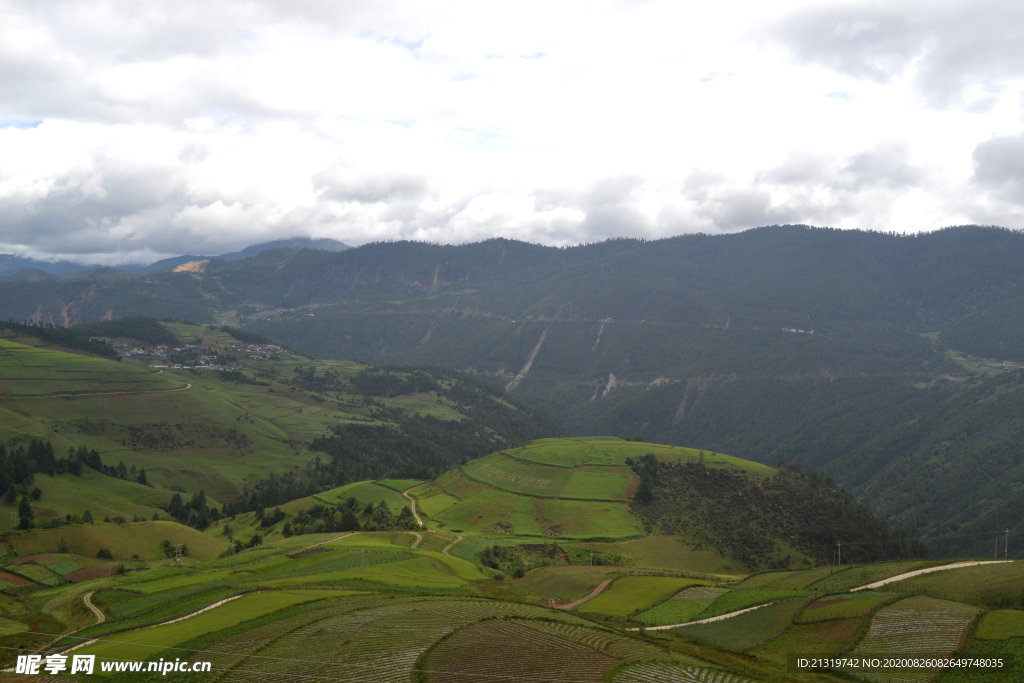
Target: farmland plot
(663, 672)
(681, 607)
(503, 650)
(380, 644)
(918, 625)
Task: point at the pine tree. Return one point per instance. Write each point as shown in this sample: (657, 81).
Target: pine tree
(25, 514)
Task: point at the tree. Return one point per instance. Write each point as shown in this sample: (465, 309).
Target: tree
(255, 540)
(105, 554)
(25, 514)
(62, 547)
(349, 521)
(87, 517)
(142, 477)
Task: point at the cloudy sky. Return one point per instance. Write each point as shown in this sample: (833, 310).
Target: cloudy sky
(132, 131)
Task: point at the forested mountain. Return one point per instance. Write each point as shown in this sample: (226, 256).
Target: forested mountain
(817, 345)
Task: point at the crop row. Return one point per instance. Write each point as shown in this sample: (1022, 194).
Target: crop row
(663, 672)
(918, 625)
(378, 644)
(615, 645)
(500, 650)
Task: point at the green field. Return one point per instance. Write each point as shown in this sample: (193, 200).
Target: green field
(826, 638)
(610, 485)
(918, 625)
(681, 607)
(834, 607)
(609, 451)
(746, 630)
(631, 594)
(1001, 624)
(855, 577)
(143, 641)
(507, 474)
(399, 484)
(978, 585)
(741, 598)
(123, 540)
(27, 371)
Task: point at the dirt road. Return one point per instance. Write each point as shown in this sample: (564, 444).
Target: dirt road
(450, 545)
(705, 621)
(412, 504)
(600, 587)
(419, 539)
(929, 570)
(95, 610)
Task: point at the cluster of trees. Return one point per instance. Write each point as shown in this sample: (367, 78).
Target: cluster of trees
(19, 466)
(349, 515)
(142, 328)
(516, 561)
(163, 435)
(195, 513)
(308, 379)
(718, 508)
(68, 338)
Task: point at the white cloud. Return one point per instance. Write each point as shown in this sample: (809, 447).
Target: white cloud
(200, 127)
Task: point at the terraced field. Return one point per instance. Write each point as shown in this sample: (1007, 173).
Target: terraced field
(748, 630)
(662, 672)
(843, 607)
(629, 594)
(681, 607)
(919, 624)
(31, 371)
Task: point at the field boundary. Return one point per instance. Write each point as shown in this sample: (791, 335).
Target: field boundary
(99, 393)
(593, 594)
(704, 621)
(926, 570)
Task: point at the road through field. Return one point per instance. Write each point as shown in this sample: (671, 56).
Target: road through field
(419, 539)
(450, 545)
(600, 587)
(95, 610)
(332, 540)
(412, 504)
(929, 570)
(705, 621)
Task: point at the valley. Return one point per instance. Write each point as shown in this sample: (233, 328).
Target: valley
(628, 499)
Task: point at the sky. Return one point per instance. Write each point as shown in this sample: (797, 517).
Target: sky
(134, 131)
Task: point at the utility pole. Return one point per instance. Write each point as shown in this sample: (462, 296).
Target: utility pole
(591, 563)
(840, 544)
(177, 554)
(995, 551)
(1007, 555)
(362, 560)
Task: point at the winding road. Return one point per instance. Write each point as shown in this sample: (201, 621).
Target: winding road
(100, 618)
(593, 594)
(412, 503)
(419, 539)
(450, 545)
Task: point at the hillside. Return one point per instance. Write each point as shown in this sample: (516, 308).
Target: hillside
(594, 490)
(224, 416)
(781, 342)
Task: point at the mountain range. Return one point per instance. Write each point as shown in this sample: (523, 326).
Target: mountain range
(20, 269)
(890, 362)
